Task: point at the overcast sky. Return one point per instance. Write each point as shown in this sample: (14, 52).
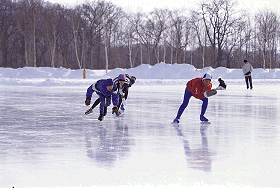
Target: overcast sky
(149, 5)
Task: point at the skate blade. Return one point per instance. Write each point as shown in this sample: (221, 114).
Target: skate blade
(205, 122)
(88, 111)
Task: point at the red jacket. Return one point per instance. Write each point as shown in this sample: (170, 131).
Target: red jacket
(197, 88)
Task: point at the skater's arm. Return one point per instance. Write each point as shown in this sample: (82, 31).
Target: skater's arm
(89, 92)
(132, 80)
(125, 91)
(115, 95)
(89, 95)
(115, 99)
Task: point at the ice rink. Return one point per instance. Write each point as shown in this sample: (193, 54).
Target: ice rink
(46, 140)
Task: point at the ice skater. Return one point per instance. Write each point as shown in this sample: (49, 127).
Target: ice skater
(123, 82)
(197, 87)
(247, 71)
(107, 91)
(222, 85)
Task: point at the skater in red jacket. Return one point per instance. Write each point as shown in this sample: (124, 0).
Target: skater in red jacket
(196, 87)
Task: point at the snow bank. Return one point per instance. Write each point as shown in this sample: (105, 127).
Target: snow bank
(159, 74)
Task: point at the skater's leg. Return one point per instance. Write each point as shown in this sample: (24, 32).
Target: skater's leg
(102, 103)
(105, 111)
(203, 109)
(246, 80)
(97, 101)
(250, 80)
(185, 103)
(204, 106)
(120, 101)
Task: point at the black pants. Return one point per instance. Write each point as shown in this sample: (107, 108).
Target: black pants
(120, 101)
(248, 80)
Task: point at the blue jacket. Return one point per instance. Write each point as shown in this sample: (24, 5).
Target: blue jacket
(100, 88)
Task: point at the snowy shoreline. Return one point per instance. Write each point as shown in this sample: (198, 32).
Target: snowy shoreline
(40, 82)
(159, 74)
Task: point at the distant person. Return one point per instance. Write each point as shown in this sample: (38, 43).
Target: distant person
(198, 88)
(222, 85)
(106, 90)
(247, 71)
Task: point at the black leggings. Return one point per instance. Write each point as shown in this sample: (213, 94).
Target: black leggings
(248, 79)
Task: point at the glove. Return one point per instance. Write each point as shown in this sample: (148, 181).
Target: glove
(132, 80)
(116, 111)
(248, 73)
(210, 93)
(87, 102)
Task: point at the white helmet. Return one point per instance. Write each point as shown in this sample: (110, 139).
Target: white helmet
(207, 76)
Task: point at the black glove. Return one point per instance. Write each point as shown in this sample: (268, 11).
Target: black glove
(116, 111)
(248, 73)
(87, 102)
(132, 80)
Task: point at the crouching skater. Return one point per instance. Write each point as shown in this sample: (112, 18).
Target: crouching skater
(196, 87)
(123, 82)
(222, 85)
(107, 91)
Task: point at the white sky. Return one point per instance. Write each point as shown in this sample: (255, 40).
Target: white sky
(149, 5)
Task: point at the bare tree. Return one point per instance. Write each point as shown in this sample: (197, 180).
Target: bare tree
(219, 16)
(23, 25)
(76, 21)
(180, 29)
(130, 35)
(51, 32)
(200, 33)
(157, 24)
(27, 13)
(267, 23)
(92, 13)
(110, 23)
(7, 30)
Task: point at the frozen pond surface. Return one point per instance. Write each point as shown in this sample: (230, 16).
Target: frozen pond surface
(47, 141)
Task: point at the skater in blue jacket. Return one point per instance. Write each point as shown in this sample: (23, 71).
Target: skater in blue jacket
(122, 82)
(106, 90)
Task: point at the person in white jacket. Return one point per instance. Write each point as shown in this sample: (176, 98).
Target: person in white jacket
(247, 71)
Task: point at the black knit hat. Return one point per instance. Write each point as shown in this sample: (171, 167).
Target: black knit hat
(245, 61)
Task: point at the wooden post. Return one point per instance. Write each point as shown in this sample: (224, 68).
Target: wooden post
(84, 74)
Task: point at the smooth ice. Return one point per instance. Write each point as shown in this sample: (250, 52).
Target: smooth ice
(46, 140)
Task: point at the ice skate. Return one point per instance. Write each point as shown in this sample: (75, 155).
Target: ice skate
(203, 119)
(88, 111)
(176, 120)
(122, 107)
(101, 116)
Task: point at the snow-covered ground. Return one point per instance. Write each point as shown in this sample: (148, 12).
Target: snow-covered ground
(159, 74)
(46, 140)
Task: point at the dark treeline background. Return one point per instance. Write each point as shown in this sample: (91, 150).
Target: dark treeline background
(100, 35)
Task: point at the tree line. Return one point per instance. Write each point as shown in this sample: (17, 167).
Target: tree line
(100, 35)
